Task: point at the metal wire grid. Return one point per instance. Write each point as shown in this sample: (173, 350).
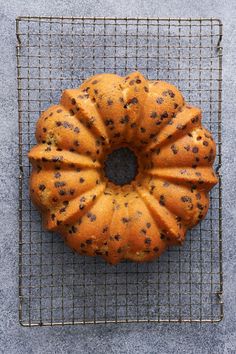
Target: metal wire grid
(58, 287)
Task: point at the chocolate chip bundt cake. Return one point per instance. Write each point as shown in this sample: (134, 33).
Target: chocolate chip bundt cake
(138, 220)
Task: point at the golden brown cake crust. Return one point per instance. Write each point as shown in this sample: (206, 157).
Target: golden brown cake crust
(169, 195)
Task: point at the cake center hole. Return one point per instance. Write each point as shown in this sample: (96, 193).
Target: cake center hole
(121, 166)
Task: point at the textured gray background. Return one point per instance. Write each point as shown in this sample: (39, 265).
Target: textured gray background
(142, 338)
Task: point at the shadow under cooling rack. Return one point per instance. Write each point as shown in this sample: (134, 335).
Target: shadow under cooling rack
(59, 287)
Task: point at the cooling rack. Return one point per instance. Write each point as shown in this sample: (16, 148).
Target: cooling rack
(57, 287)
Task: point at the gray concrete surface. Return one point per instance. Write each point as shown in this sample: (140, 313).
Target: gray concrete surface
(142, 338)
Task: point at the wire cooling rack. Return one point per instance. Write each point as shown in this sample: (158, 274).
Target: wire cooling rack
(59, 287)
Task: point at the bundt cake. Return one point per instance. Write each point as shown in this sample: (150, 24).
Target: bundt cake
(138, 220)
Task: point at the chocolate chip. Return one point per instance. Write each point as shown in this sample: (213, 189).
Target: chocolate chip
(125, 220)
(124, 120)
(117, 237)
(76, 143)
(164, 115)
(59, 184)
(67, 125)
(59, 110)
(166, 184)
(42, 187)
(73, 101)
(171, 93)
(152, 189)
(109, 122)
(105, 229)
(148, 241)
(159, 100)
(187, 147)
(195, 149)
(174, 149)
(193, 187)
(186, 199)
(148, 224)
(57, 175)
(165, 93)
(89, 241)
(109, 102)
(200, 206)
(163, 236)
(198, 196)
(153, 115)
(81, 180)
(205, 143)
(73, 229)
(91, 216)
(162, 200)
(195, 119)
(134, 100)
(62, 210)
